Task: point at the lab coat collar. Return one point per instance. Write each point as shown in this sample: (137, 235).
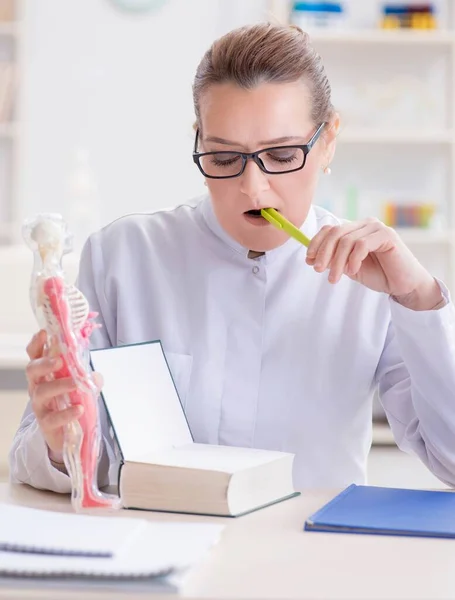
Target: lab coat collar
(309, 228)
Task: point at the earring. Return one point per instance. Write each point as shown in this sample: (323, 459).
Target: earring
(205, 183)
(327, 170)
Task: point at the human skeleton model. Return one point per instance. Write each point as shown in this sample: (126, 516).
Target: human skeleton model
(63, 311)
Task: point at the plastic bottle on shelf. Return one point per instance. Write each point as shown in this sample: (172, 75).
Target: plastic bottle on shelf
(390, 22)
(82, 205)
(408, 16)
(352, 206)
(311, 16)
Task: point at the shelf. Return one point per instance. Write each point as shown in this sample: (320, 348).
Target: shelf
(381, 36)
(392, 136)
(425, 236)
(12, 351)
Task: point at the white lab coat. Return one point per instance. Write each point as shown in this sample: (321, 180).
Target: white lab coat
(265, 352)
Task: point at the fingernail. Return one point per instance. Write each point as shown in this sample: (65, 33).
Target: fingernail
(56, 363)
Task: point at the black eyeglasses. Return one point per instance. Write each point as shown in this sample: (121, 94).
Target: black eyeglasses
(274, 161)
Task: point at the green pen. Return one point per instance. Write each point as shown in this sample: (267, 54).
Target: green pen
(278, 221)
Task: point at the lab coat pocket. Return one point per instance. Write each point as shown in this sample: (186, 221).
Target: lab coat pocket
(180, 366)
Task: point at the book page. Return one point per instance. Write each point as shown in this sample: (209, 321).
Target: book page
(158, 549)
(228, 459)
(141, 399)
(43, 531)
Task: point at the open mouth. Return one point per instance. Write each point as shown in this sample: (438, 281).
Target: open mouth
(254, 213)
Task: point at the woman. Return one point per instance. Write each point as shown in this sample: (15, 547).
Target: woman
(271, 345)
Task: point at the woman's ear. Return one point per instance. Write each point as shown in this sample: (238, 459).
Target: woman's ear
(330, 135)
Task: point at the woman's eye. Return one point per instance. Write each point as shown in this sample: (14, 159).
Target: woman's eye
(283, 156)
(223, 160)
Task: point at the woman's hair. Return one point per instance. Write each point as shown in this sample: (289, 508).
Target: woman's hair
(265, 53)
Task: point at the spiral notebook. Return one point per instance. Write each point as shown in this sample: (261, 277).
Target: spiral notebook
(47, 532)
(49, 545)
(134, 566)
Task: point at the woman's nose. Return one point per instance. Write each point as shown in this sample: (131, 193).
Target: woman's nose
(253, 181)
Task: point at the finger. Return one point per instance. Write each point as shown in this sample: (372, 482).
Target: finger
(39, 368)
(36, 345)
(326, 244)
(59, 418)
(362, 249)
(316, 242)
(98, 380)
(338, 264)
(47, 390)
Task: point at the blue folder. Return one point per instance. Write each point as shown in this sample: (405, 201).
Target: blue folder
(387, 511)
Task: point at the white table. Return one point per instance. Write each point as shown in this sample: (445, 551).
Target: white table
(267, 555)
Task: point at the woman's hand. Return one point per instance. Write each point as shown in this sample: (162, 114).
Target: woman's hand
(43, 394)
(374, 255)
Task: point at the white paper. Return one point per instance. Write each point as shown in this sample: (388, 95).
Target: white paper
(47, 531)
(141, 399)
(228, 459)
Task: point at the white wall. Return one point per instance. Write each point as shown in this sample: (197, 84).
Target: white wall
(118, 85)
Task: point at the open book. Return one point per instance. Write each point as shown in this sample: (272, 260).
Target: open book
(162, 467)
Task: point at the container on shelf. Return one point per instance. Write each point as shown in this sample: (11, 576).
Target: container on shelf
(311, 16)
(408, 15)
(82, 206)
(413, 214)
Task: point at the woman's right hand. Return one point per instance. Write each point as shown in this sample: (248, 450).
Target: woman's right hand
(43, 394)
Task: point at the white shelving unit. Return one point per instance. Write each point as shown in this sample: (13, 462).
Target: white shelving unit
(417, 236)
(10, 53)
(416, 156)
(386, 37)
(353, 136)
(420, 154)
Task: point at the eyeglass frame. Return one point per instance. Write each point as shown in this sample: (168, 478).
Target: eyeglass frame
(254, 156)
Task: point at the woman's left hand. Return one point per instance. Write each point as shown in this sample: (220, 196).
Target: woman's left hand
(374, 255)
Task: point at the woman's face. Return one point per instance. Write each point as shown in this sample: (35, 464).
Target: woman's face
(248, 120)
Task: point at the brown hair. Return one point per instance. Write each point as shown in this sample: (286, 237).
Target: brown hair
(265, 53)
